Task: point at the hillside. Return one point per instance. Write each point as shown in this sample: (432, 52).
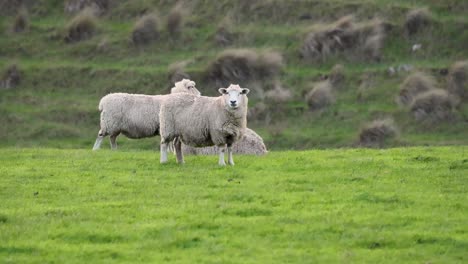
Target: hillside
(403, 205)
(61, 80)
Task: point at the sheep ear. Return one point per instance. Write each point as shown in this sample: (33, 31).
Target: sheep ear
(245, 91)
(222, 91)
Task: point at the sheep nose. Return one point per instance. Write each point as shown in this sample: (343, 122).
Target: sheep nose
(233, 102)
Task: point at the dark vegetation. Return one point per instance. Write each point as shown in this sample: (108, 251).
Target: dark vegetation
(376, 133)
(81, 27)
(145, 30)
(317, 69)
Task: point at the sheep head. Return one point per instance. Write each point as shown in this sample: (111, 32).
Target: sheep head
(234, 96)
(186, 86)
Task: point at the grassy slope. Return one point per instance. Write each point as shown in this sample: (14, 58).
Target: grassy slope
(56, 103)
(349, 205)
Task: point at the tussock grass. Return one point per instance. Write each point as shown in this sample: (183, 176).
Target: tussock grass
(278, 95)
(98, 6)
(21, 21)
(145, 30)
(244, 65)
(320, 96)
(11, 77)
(433, 106)
(358, 41)
(458, 80)
(175, 20)
(413, 85)
(337, 76)
(176, 71)
(417, 20)
(224, 35)
(376, 133)
(82, 27)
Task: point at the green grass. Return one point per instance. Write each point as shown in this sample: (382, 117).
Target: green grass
(404, 205)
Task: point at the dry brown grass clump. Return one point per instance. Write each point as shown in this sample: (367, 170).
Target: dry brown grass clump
(8, 7)
(21, 22)
(176, 72)
(11, 77)
(320, 96)
(415, 84)
(98, 6)
(244, 65)
(376, 133)
(224, 35)
(145, 30)
(417, 20)
(433, 106)
(82, 27)
(458, 80)
(357, 40)
(337, 75)
(175, 20)
(278, 94)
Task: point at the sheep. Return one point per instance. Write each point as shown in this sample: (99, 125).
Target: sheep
(250, 144)
(201, 121)
(134, 115)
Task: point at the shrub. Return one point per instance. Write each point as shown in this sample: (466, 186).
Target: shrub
(278, 94)
(244, 65)
(98, 6)
(337, 75)
(413, 85)
(175, 20)
(176, 72)
(81, 27)
(417, 20)
(11, 77)
(458, 79)
(376, 133)
(21, 22)
(320, 96)
(224, 35)
(433, 106)
(145, 30)
(358, 40)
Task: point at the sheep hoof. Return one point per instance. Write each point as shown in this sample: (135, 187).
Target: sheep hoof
(231, 163)
(222, 164)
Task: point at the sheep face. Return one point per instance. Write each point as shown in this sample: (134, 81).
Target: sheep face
(234, 96)
(190, 86)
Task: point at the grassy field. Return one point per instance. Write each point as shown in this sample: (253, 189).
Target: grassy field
(402, 205)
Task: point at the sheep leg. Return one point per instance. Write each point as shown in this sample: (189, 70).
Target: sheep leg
(163, 158)
(221, 161)
(230, 159)
(113, 142)
(98, 142)
(178, 151)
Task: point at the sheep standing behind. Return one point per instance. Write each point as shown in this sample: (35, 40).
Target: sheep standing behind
(134, 115)
(250, 144)
(201, 121)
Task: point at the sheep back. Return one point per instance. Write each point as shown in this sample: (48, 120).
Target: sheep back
(134, 115)
(250, 144)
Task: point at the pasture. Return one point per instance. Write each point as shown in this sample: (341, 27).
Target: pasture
(401, 205)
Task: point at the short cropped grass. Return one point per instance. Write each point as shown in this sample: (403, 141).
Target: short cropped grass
(404, 205)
